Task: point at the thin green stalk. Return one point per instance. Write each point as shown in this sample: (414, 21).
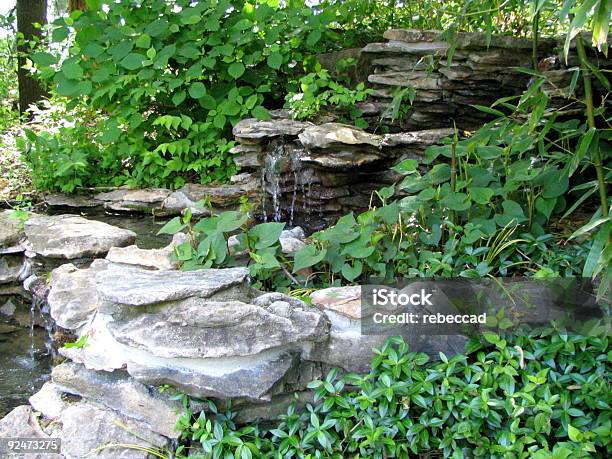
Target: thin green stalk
(535, 30)
(588, 100)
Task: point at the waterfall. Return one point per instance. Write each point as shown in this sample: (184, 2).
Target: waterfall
(272, 180)
(281, 165)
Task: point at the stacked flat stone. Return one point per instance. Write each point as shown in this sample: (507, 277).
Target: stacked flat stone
(314, 174)
(479, 73)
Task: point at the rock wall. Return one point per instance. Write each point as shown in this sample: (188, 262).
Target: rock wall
(313, 174)
(479, 73)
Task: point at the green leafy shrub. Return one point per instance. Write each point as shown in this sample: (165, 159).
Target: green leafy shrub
(318, 91)
(541, 395)
(172, 78)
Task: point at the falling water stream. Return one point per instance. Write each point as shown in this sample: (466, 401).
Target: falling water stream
(278, 156)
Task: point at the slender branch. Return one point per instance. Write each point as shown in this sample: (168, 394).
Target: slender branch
(588, 100)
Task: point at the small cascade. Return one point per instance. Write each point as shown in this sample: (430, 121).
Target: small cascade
(272, 180)
(296, 169)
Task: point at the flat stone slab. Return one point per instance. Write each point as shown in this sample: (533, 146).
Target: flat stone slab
(126, 285)
(464, 39)
(147, 258)
(145, 200)
(252, 128)
(420, 138)
(121, 393)
(21, 422)
(71, 200)
(336, 135)
(48, 401)
(196, 328)
(71, 236)
(251, 379)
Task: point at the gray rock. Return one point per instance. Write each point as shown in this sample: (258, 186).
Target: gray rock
(11, 229)
(222, 196)
(418, 138)
(292, 240)
(250, 377)
(14, 268)
(145, 200)
(147, 258)
(335, 135)
(266, 299)
(70, 200)
(196, 328)
(48, 401)
(125, 285)
(73, 298)
(350, 351)
(401, 47)
(253, 128)
(22, 423)
(121, 393)
(92, 430)
(71, 236)
(345, 301)
(464, 39)
(340, 160)
(177, 202)
(272, 410)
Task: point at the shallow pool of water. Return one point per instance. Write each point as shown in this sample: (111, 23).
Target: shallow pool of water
(25, 363)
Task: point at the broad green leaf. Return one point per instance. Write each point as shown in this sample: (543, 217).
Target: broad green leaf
(351, 273)
(236, 70)
(456, 201)
(306, 257)
(172, 226)
(267, 234)
(72, 71)
(275, 60)
(480, 194)
(132, 61)
(261, 113)
(197, 90)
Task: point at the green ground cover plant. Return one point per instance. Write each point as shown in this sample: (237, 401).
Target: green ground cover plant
(544, 394)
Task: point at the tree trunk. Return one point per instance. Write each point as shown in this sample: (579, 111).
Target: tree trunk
(76, 5)
(29, 12)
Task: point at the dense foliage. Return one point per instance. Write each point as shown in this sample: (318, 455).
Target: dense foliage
(541, 395)
(168, 80)
(483, 208)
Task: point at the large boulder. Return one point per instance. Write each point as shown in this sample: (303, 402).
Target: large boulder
(206, 332)
(70, 236)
